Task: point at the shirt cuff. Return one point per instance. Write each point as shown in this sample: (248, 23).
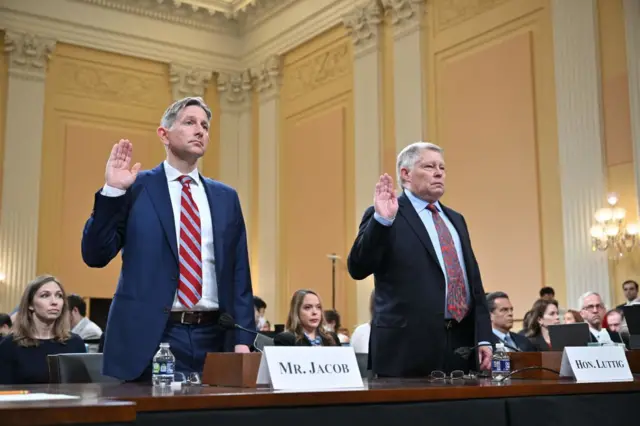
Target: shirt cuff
(382, 221)
(110, 191)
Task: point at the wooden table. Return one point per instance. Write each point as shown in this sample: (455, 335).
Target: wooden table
(382, 401)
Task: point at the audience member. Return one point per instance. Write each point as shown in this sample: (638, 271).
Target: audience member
(333, 324)
(501, 314)
(545, 313)
(630, 289)
(593, 311)
(80, 324)
(260, 307)
(41, 328)
(5, 324)
(572, 316)
(360, 337)
(305, 322)
(547, 293)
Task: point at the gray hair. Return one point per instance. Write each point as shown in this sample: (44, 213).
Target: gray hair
(491, 299)
(584, 296)
(409, 156)
(171, 114)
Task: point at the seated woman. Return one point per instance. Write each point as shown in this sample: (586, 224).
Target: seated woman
(305, 323)
(544, 314)
(41, 328)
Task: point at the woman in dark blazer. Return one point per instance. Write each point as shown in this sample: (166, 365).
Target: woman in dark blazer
(305, 323)
(544, 314)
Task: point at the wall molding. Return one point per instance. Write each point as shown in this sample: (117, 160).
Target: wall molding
(632, 35)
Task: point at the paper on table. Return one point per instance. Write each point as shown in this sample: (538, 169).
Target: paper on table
(35, 397)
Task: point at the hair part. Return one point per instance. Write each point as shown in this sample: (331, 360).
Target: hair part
(410, 155)
(24, 328)
(173, 111)
(294, 325)
(491, 299)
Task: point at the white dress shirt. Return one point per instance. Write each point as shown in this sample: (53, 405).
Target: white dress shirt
(601, 336)
(209, 300)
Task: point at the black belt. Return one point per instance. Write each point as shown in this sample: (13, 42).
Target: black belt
(195, 317)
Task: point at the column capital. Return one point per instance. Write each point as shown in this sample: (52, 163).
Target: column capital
(188, 81)
(363, 23)
(235, 90)
(406, 15)
(269, 78)
(28, 53)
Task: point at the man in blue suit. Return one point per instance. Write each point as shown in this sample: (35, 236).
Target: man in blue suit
(184, 252)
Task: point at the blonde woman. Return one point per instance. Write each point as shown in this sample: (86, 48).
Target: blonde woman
(305, 323)
(41, 328)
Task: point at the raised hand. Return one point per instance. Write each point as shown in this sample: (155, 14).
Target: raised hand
(385, 201)
(118, 175)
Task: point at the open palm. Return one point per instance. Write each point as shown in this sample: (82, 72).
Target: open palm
(118, 173)
(385, 201)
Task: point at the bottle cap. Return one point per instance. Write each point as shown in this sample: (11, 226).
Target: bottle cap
(499, 345)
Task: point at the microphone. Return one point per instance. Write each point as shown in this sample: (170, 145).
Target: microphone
(227, 322)
(285, 338)
(465, 351)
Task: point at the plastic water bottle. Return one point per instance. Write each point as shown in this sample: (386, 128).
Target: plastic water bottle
(163, 364)
(500, 364)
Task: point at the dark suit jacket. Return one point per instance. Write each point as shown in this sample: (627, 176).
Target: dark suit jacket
(521, 342)
(407, 333)
(141, 224)
(615, 337)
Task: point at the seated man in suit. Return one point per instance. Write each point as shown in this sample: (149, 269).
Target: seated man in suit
(501, 312)
(593, 311)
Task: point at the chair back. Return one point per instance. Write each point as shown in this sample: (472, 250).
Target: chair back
(77, 368)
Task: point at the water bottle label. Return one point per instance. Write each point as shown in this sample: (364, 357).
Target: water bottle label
(502, 365)
(163, 368)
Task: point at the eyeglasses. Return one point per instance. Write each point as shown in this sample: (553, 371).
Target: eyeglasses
(192, 379)
(454, 376)
(597, 306)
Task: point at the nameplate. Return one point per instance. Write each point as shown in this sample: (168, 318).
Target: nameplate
(592, 364)
(309, 368)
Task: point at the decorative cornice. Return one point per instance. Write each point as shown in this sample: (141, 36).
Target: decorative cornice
(235, 90)
(268, 78)
(188, 81)
(406, 15)
(211, 15)
(449, 13)
(28, 53)
(363, 23)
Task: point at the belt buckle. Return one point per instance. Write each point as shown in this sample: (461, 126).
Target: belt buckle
(199, 317)
(182, 317)
(449, 324)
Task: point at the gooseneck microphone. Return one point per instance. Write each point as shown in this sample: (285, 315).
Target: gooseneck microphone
(228, 322)
(285, 338)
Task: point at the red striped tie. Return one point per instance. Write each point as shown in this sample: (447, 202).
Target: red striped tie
(190, 285)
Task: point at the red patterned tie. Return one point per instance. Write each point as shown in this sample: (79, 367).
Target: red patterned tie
(456, 290)
(190, 285)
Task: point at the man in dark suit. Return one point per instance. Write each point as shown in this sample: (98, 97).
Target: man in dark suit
(630, 289)
(429, 299)
(593, 312)
(501, 312)
(184, 252)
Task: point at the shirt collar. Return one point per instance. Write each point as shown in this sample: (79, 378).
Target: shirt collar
(420, 204)
(502, 336)
(173, 173)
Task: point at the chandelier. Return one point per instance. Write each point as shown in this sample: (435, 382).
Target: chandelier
(611, 233)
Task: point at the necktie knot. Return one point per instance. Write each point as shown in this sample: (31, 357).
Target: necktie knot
(432, 208)
(185, 180)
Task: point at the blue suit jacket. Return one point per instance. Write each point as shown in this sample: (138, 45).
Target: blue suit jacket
(141, 224)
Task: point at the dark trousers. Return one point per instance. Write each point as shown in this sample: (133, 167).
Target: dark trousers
(190, 345)
(459, 335)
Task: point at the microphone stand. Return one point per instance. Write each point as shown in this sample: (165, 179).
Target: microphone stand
(333, 258)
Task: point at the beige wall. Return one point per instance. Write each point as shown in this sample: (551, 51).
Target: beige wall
(316, 171)
(4, 80)
(92, 100)
(491, 103)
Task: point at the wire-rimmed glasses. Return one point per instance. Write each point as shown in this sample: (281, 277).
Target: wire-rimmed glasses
(192, 379)
(454, 377)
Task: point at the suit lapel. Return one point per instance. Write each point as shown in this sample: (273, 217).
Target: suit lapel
(217, 223)
(158, 190)
(407, 210)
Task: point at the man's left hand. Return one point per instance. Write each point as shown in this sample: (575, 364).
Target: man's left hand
(244, 349)
(485, 353)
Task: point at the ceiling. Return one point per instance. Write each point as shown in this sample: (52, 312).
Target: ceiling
(228, 7)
